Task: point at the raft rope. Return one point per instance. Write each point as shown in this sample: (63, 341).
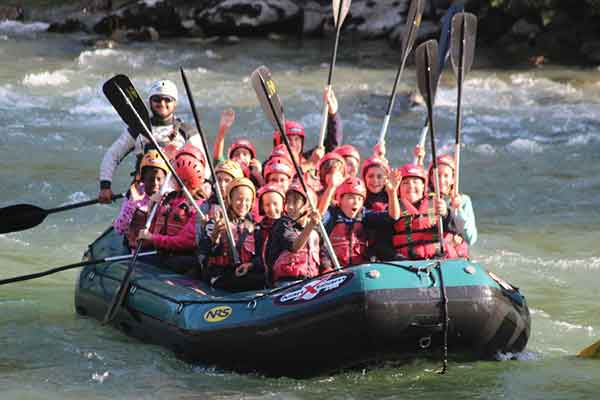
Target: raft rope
(444, 306)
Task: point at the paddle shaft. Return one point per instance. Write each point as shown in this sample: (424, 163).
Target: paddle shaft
(324, 113)
(300, 176)
(460, 80)
(70, 266)
(232, 246)
(187, 193)
(82, 204)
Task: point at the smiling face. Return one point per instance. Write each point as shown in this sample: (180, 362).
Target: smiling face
(411, 189)
(375, 179)
(242, 156)
(272, 204)
(162, 106)
(351, 166)
(295, 144)
(351, 204)
(224, 179)
(153, 179)
(446, 175)
(242, 199)
(295, 205)
(279, 179)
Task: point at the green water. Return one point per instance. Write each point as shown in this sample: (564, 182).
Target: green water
(530, 164)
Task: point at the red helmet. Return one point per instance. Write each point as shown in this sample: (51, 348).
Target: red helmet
(332, 155)
(413, 170)
(268, 188)
(291, 128)
(280, 151)
(280, 165)
(351, 185)
(242, 144)
(347, 150)
(373, 162)
(296, 186)
(192, 151)
(190, 170)
(448, 160)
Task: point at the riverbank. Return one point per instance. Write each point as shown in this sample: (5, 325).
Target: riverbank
(514, 35)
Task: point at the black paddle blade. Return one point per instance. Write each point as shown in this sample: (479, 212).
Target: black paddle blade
(426, 58)
(119, 102)
(20, 217)
(462, 51)
(340, 11)
(262, 77)
(413, 21)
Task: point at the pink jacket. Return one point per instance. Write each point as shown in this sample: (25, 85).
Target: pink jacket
(121, 224)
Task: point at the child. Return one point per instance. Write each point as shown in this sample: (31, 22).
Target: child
(270, 206)
(348, 221)
(463, 233)
(134, 211)
(293, 247)
(214, 246)
(415, 233)
(173, 230)
(374, 173)
(279, 171)
(327, 165)
(351, 158)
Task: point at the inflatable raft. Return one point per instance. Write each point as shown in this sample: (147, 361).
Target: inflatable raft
(368, 313)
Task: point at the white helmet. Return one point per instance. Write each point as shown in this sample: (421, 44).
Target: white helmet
(163, 88)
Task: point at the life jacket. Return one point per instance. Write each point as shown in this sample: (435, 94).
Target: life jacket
(173, 214)
(244, 243)
(416, 233)
(348, 238)
(138, 222)
(376, 201)
(302, 264)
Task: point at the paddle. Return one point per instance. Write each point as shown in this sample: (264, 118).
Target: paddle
(340, 11)
(413, 20)
(462, 51)
(71, 266)
(133, 119)
(24, 216)
(234, 252)
(426, 71)
(112, 92)
(266, 91)
(592, 351)
(441, 57)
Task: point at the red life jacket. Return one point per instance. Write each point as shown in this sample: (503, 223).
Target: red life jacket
(244, 242)
(172, 215)
(302, 264)
(138, 222)
(265, 229)
(349, 240)
(416, 233)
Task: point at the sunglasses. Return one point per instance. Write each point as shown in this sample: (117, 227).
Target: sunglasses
(159, 99)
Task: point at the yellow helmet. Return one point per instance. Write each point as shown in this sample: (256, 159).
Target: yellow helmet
(230, 167)
(238, 182)
(153, 159)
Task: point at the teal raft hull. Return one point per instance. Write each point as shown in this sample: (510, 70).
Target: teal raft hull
(361, 315)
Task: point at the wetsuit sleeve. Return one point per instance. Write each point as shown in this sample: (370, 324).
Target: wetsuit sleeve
(335, 134)
(464, 220)
(113, 157)
(184, 240)
(122, 222)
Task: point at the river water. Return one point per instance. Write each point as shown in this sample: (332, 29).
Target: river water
(530, 163)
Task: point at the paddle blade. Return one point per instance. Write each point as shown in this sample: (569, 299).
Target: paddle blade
(119, 102)
(462, 51)
(413, 21)
(592, 351)
(340, 11)
(265, 89)
(426, 58)
(20, 217)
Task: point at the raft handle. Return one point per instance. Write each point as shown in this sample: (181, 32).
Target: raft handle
(91, 275)
(252, 305)
(425, 342)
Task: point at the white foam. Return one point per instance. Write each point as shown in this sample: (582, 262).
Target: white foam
(100, 377)
(212, 55)
(78, 197)
(525, 145)
(55, 78)
(484, 148)
(20, 28)
(570, 327)
(87, 57)
(583, 139)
